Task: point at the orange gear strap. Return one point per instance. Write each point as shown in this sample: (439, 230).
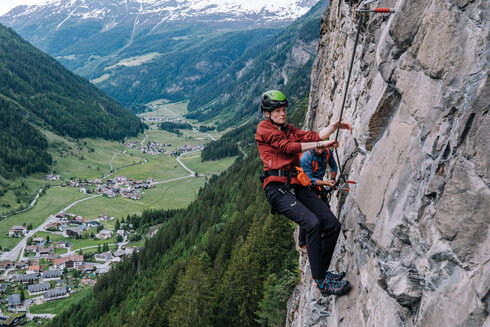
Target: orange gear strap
(302, 177)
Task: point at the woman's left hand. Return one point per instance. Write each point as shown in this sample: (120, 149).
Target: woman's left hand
(343, 125)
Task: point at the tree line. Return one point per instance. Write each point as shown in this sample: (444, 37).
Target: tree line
(227, 145)
(174, 127)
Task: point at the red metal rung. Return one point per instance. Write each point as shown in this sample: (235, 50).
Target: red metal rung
(351, 182)
(382, 10)
(347, 189)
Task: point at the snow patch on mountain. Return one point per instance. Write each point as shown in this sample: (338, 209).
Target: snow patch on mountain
(171, 10)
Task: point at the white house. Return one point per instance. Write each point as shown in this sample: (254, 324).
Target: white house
(104, 234)
(70, 262)
(17, 231)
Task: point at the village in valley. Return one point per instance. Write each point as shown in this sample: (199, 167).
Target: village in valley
(120, 185)
(154, 148)
(62, 258)
(47, 269)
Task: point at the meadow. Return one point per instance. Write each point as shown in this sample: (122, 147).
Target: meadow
(55, 199)
(93, 159)
(193, 162)
(59, 305)
(160, 167)
(171, 195)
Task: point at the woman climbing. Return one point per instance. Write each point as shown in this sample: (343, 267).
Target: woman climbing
(279, 144)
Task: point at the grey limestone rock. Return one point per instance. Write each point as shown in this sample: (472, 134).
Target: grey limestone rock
(416, 228)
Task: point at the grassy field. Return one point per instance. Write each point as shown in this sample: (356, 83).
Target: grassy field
(27, 187)
(55, 199)
(78, 244)
(52, 237)
(193, 162)
(160, 167)
(95, 249)
(59, 251)
(59, 305)
(170, 110)
(138, 243)
(201, 136)
(172, 195)
(89, 164)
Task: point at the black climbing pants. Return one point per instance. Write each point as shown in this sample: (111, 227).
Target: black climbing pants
(305, 208)
(302, 234)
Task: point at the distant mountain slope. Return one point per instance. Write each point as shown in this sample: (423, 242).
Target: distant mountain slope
(176, 72)
(138, 51)
(36, 89)
(283, 61)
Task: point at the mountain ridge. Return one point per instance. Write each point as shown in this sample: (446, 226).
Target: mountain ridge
(282, 62)
(169, 10)
(39, 91)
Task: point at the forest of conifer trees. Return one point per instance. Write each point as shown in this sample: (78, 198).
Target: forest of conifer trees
(38, 92)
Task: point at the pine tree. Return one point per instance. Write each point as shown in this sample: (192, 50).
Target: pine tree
(191, 303)
(272, 308)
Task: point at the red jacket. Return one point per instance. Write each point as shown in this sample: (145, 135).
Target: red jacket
(279, 149)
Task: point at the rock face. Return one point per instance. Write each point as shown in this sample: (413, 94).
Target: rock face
(416, 237)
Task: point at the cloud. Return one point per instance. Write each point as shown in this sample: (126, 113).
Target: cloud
(7, 5)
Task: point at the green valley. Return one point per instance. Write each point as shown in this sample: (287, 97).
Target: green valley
(172, 175)
(88, 159)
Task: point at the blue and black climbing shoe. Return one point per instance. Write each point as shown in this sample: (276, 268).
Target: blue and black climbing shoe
(333, 287)
(335, 277)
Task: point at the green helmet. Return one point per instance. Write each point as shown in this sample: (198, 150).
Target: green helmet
(272, 100)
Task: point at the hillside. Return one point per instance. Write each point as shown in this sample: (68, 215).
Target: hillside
(172, 70)
(218, 263)
(282, 61)
(35, 90)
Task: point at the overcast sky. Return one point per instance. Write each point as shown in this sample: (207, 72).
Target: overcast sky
(6, 5)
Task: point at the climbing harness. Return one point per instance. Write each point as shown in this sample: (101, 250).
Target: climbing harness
(284, 188)
(342, 181)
